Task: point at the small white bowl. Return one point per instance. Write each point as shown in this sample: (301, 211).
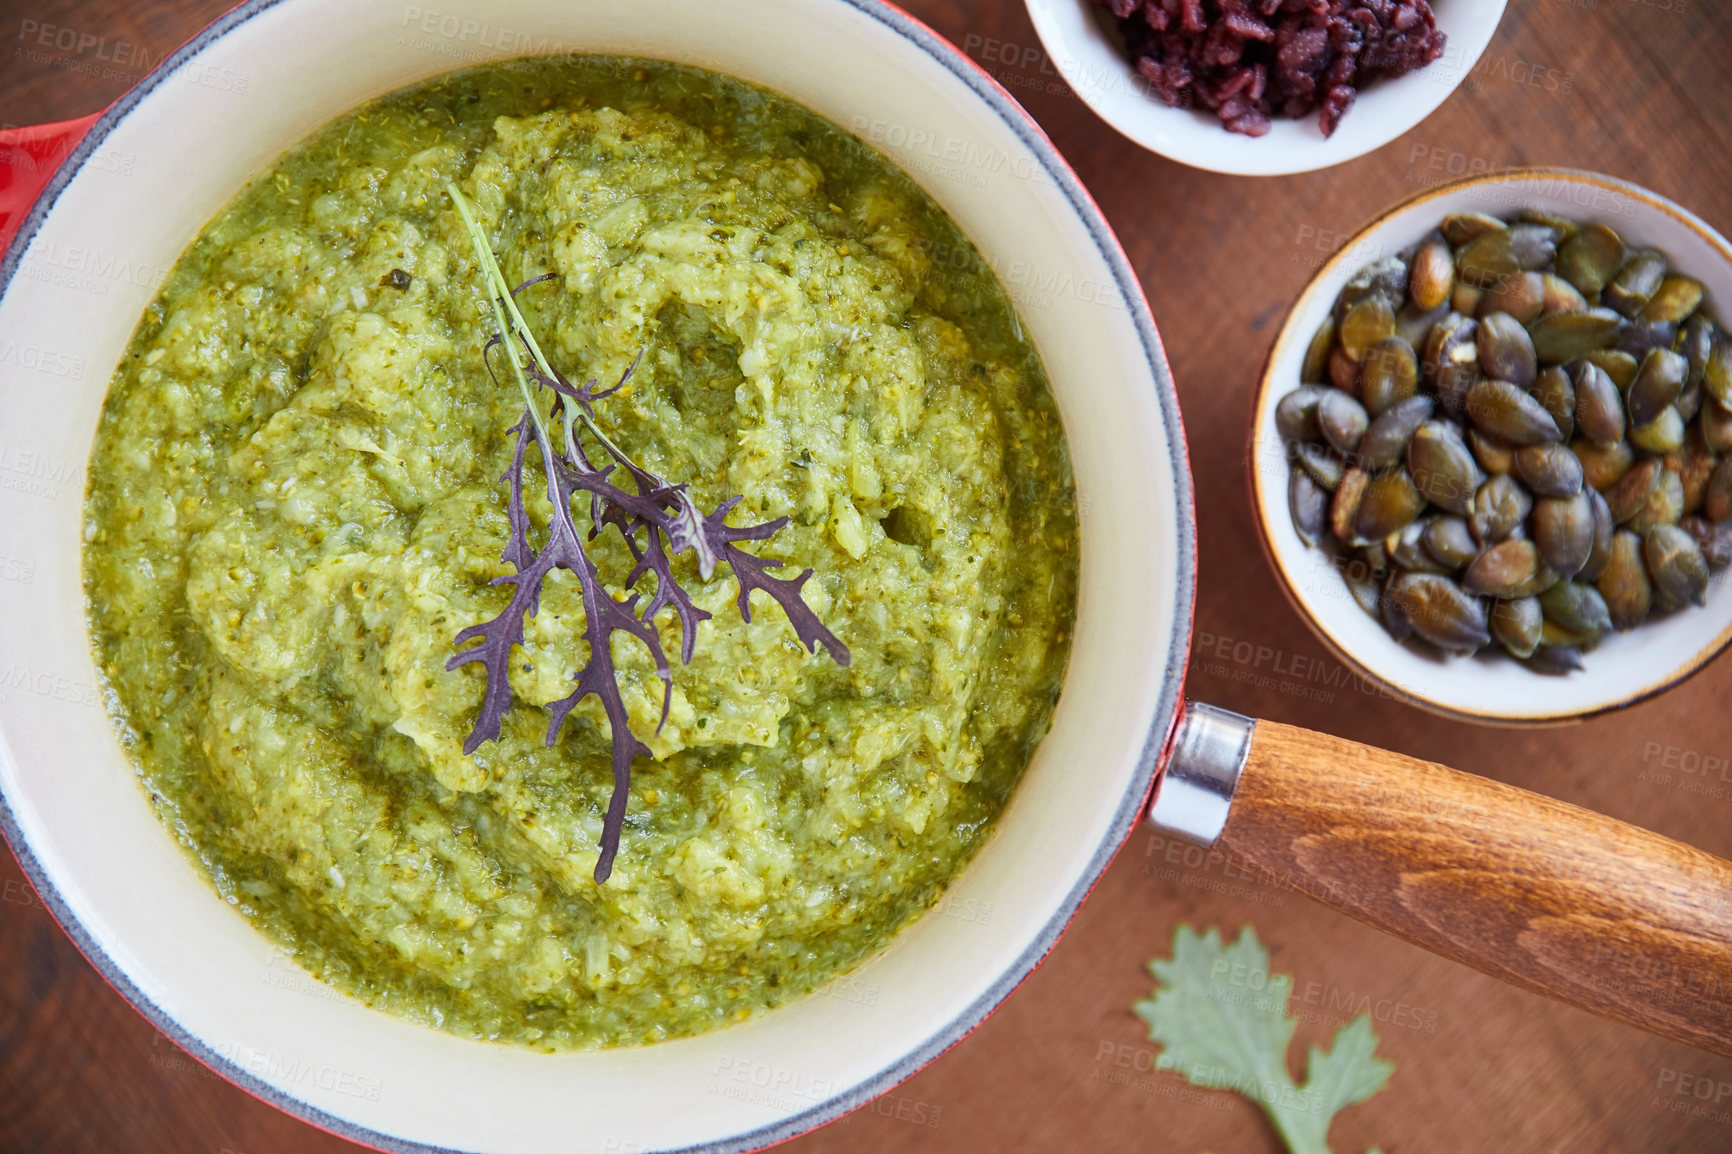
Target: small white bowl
(1083, 42)
(1489, 687)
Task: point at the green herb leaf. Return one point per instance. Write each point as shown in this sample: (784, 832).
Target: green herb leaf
(1221, 1019)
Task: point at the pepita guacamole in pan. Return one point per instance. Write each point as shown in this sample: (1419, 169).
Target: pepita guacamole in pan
(296, 504)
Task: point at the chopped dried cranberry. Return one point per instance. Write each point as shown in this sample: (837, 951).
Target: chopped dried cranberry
(1248, 60)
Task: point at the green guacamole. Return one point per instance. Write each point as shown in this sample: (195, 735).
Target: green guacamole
(295, 504)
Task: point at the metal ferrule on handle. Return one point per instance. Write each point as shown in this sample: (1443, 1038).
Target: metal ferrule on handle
(1195, 792)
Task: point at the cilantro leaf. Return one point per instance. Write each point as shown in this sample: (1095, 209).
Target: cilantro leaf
(1221, 1019)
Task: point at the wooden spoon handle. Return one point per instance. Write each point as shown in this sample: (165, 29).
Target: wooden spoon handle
(1561, 901)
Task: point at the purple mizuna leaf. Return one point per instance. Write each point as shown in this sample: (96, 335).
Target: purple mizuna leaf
(751, 573)
(669, 521)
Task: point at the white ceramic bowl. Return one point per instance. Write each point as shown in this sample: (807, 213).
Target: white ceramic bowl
(1083, 42)
(158, 165)
(1625, 667)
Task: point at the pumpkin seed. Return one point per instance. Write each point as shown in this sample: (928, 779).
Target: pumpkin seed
(1315, 370)
(1717, 369)
(1635, 283)
(1591, 258)
(1664, 506)
(1564, 532)
(1560, 337)
(1716, 427)
(1502, 569)
(1390, 501)
(1516, 625)
(1552, 389)
(1675, 563)
(1533, 245)
(1715, 541)
(1675, 300)
(1385, 442)
(1319, 464)
(1549, 470)
(1506, 411)
(1440, 612)
(1389, 374)
(1432, 275)
(1603, 465)
(1522, 296)
(1487, 259)
(1624, 583)
(1658, 383)
(1406, 547)
(1506, 352)
(1599, 408)
(1558, 295)
(1577, 607)
(1642, 336)
(1695, 466)
(1309, 505)
(1717, 501)
(1498, 508)
(1384, 280)
(1296, 414)
(1661, 435)
(1616, 364)
(1603, 531)
(1343, 371)
(1450, 542)
(1441, 467)
(1492, 454)
(1630, 494)
(1365, 324)
(1459, 228)
(1344, 509)
(1555, 660)
(1451, 361)
(1342, 419)
(1563, 226)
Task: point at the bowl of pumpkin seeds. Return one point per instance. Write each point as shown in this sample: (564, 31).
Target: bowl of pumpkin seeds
(1491, 453)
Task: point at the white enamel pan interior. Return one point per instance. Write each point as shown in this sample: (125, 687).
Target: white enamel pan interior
(167, 157)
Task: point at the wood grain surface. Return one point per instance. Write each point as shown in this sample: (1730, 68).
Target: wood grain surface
(1557, 899)
(1640, 89)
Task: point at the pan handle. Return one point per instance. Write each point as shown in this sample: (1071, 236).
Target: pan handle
(1567, 903)
(28, 158)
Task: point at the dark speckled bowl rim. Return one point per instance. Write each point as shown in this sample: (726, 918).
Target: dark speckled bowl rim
(1128, 808)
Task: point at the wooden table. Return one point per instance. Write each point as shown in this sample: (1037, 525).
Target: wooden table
(1637, 88)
